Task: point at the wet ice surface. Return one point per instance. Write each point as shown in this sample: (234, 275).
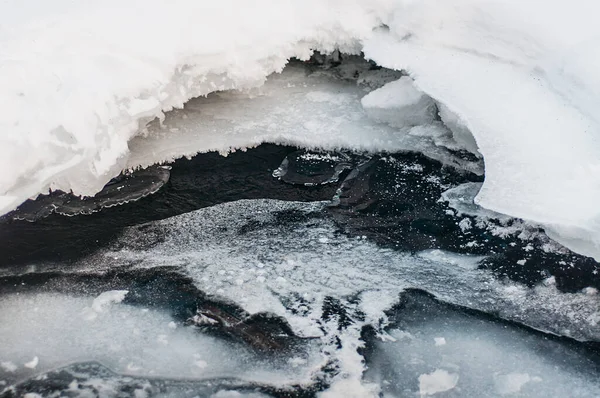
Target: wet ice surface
(92, 379)
(272, 297)
(128, 187)
(433, 348)
(287, 257)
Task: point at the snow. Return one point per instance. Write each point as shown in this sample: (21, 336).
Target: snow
(81, 80)
(514, 85)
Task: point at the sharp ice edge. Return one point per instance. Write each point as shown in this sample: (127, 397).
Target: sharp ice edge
(79, 80)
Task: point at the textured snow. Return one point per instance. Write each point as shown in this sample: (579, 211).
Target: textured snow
(524, 89)
(80, 79)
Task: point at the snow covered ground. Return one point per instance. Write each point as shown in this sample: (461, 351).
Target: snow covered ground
(80, 80)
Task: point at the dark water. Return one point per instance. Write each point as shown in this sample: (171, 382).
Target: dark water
(389, 199)
(203, 181)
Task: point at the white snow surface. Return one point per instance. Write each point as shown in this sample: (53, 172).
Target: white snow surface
(80, 79)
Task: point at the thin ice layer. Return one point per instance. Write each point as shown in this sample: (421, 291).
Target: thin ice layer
(288, 249)
(286, 258)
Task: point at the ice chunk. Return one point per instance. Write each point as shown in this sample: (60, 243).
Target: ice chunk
(307, 168)
(400, 104)
(512, 383)
(462, 199)
(33, 363)
(105, 299)
(127, 187)
(437, 381)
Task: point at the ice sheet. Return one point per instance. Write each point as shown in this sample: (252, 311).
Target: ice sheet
(480, 358)
(46, 331)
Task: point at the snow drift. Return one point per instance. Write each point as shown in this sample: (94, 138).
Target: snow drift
(79, 80)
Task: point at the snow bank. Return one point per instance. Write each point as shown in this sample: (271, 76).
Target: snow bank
(523, 76)
(80, 79)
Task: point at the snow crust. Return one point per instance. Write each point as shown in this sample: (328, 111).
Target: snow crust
(521, 76)
(80, 80)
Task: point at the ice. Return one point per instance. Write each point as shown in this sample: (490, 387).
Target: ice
(462, 199)
(293, 263)
(504, 78)
(279, 251)
(80, 81)
(309, 169)
(481, 357)
(460, 132)
(105, 299)
(314, 109)
(400, 104)
(84, 380)
(290, 260)
(128, 187)
(44, 331)
(437, 381)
